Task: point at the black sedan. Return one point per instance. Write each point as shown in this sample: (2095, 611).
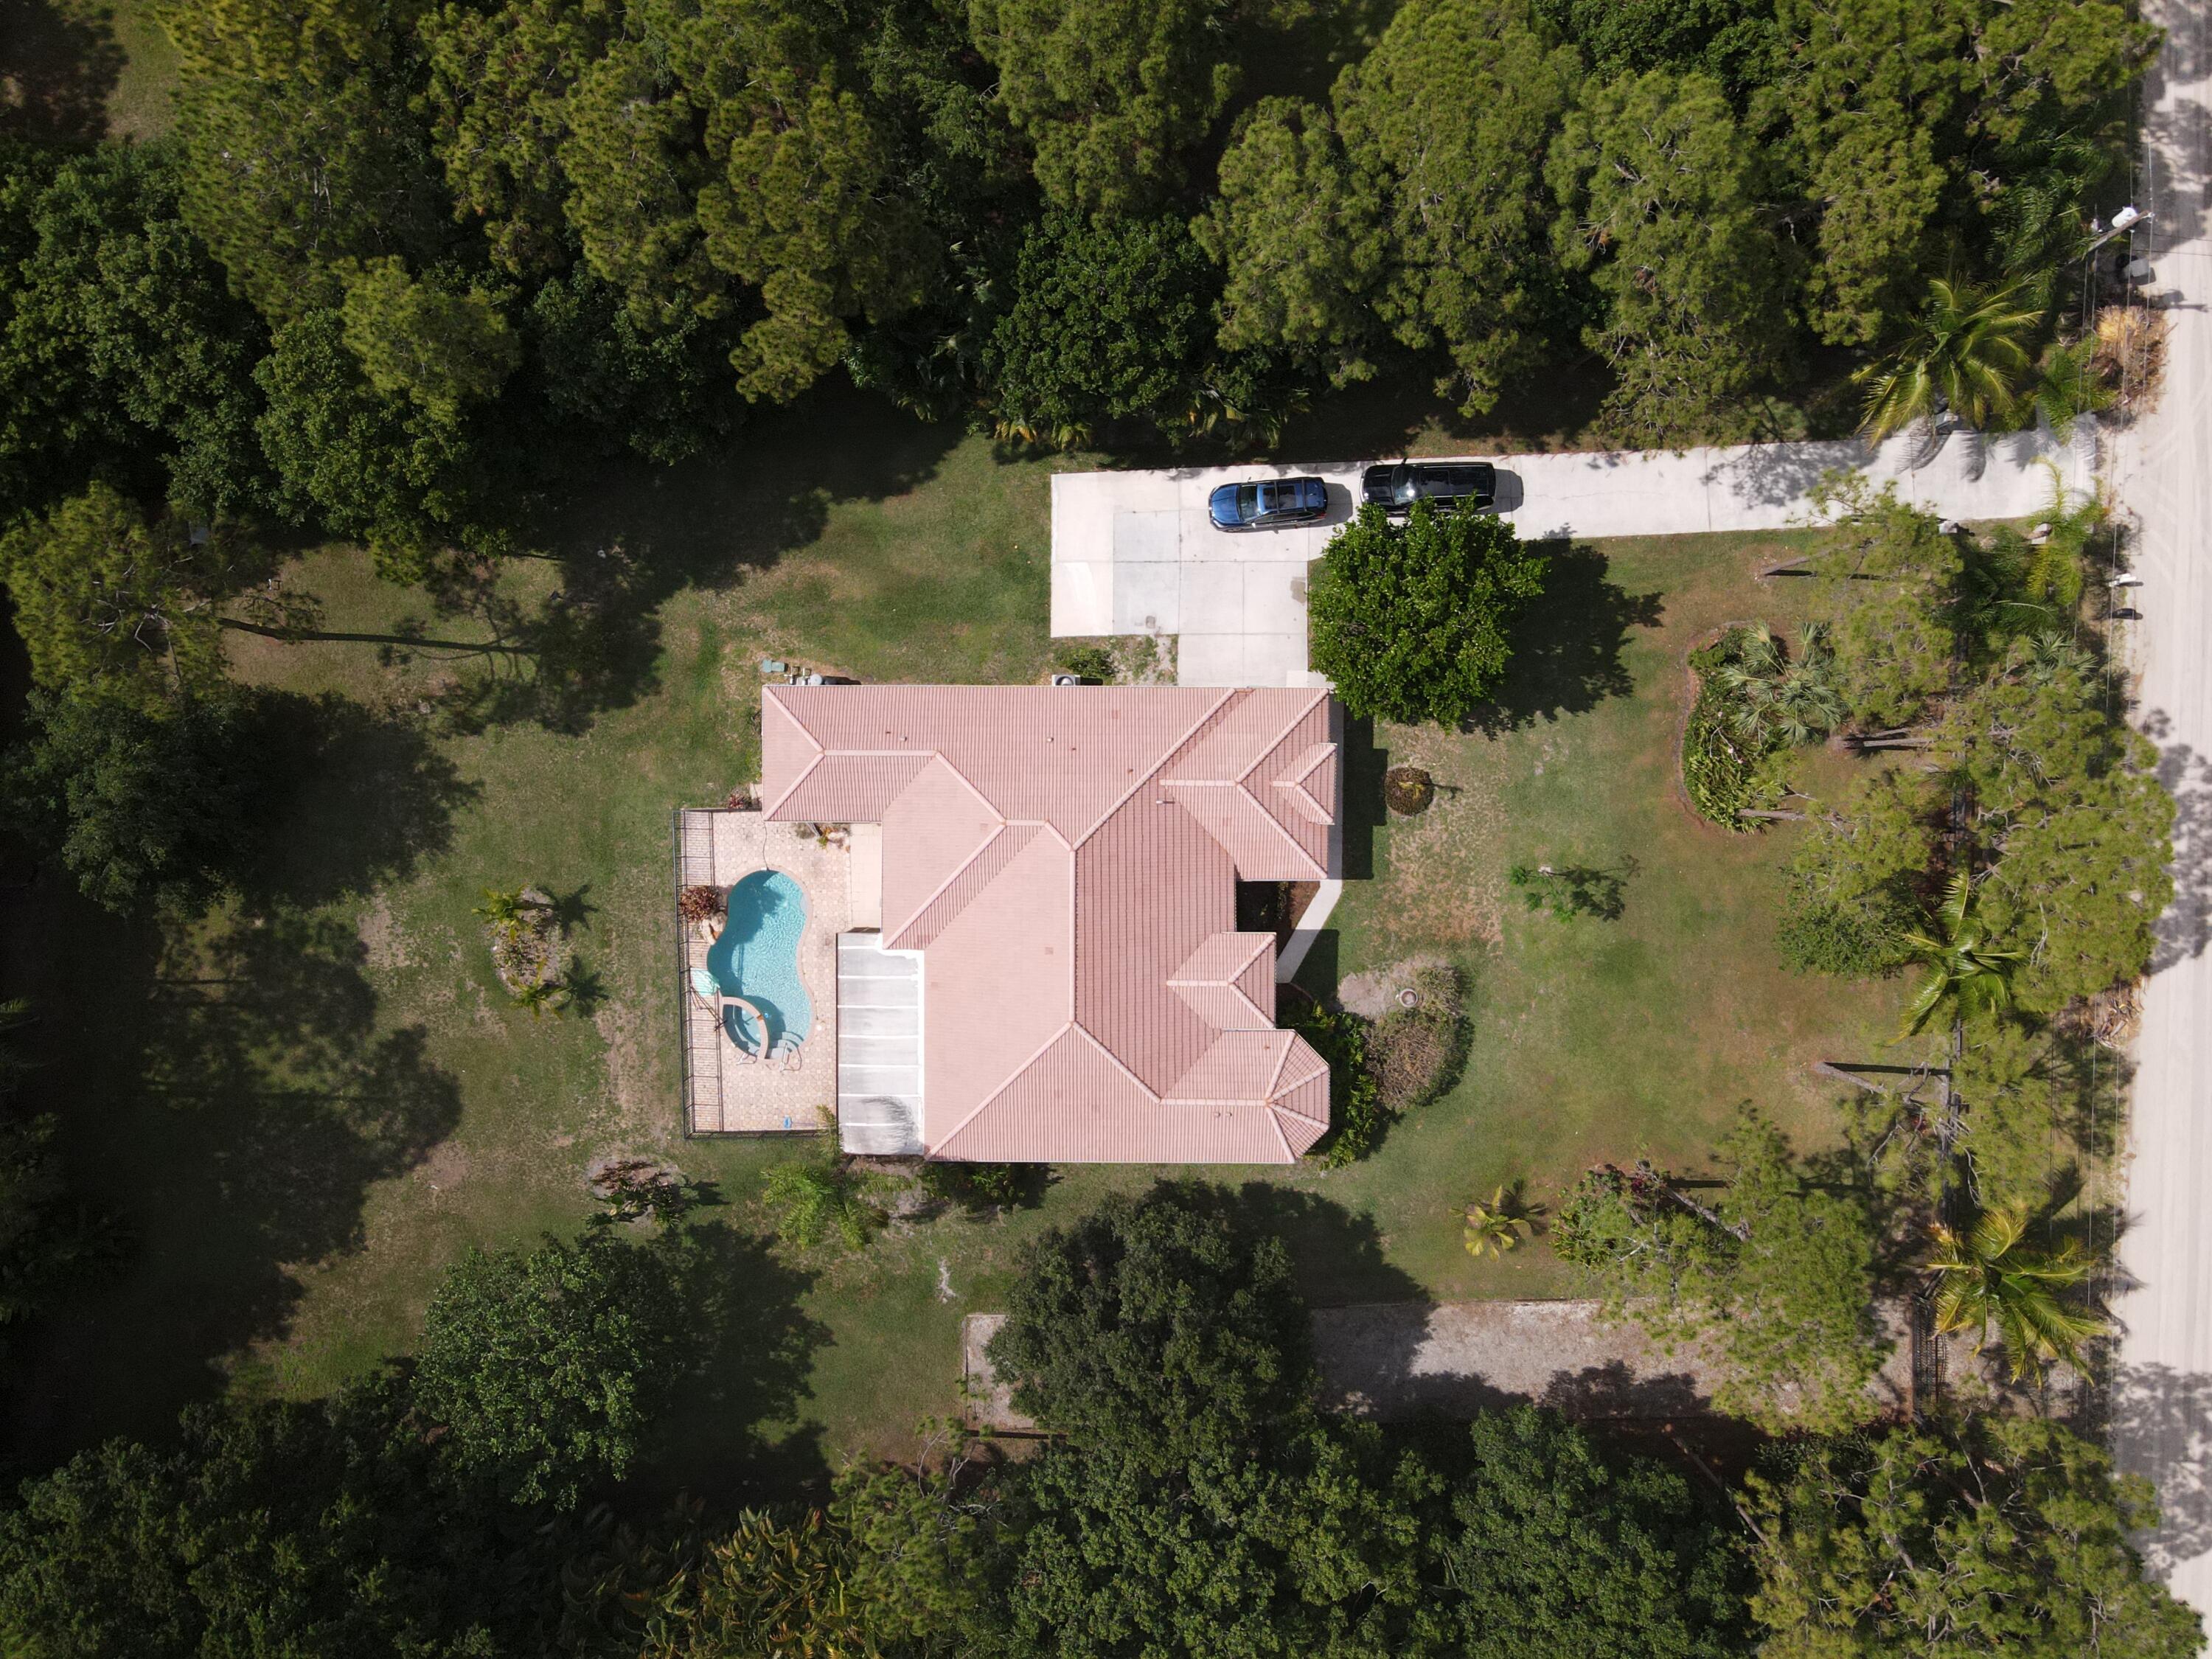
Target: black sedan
(1395, 486)
(1267, 503)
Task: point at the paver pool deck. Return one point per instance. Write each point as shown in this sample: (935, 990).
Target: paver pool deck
(1134, 552)
(716, 847)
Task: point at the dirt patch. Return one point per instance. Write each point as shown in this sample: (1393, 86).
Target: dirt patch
(446, 1168)
(1375, 993)
(384, 946)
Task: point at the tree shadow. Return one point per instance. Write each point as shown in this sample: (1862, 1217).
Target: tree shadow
(626, 535)
(58, 72)
(1613, 1390)
(235, 1104)
(2185, 929)
(2160, 1424)
(730, 1431)
(1567, 649)
(353, 799)
(1336, 1252)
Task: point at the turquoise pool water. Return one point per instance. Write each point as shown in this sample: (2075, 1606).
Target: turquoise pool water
(756, 957)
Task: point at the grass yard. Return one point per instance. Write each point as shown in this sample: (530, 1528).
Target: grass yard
(308, 1107)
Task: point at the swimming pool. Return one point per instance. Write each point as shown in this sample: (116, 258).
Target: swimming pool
(756, 957)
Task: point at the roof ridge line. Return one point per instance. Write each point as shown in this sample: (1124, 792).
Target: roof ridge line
(1009, 1080)
(1159, 765)
(1115, 1060)
(945, 886)
(1276, 742)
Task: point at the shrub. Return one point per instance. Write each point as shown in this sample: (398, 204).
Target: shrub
(701, 904)
(1356, 1112)
(1090, 662)
(820, 1195)
(1720, 770)
(1853, 940)
(1416, 1054)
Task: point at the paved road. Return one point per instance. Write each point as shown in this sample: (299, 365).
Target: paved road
(1132, 552)
(2162, 470)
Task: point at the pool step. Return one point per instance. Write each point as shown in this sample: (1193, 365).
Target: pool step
(878, 1048)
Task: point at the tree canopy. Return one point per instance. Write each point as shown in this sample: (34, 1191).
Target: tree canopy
(1998, 1533)
(1414, 621)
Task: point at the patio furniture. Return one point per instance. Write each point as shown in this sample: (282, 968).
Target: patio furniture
(790, 1050)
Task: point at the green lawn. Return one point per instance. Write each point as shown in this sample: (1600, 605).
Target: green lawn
(304, 1112)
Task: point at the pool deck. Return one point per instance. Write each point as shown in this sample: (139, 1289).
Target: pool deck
(715, 846)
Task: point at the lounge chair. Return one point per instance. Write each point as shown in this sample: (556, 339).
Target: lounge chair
(790, 1050)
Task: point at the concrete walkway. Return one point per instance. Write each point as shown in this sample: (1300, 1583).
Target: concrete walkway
(1134, 552)
(2162, 474)
(1394, 1360)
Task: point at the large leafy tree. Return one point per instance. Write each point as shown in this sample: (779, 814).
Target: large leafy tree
(2073, 820)
(1414, 622)
(140, 805)
(121, 354)
(1662, 208)
(46, 1239)
(549, 1366)
(1160, 1324)
(111, 605)
(1778, 1278)
(1299, 233)
(1995, 1534)
(1449, 116)
(1112, 93)
(409, 477)
(1108, 320)
(332, 1528)
(1552, 1546)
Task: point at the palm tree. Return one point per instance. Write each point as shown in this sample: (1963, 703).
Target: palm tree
(1498, 1227)
(1774, 695)
(1988, 1275)
(1965, 975)
(819, 1196)
(1965, 354)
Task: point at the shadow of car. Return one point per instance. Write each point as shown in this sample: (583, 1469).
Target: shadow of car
(1267, 503)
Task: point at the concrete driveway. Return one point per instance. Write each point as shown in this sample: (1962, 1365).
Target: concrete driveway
(1134, 552)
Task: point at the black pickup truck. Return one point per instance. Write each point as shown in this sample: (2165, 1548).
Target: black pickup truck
(1395, 486)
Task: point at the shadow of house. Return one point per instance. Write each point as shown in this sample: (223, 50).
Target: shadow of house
(1568, 647)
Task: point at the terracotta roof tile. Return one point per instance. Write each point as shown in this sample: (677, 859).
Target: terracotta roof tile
(1065, 858)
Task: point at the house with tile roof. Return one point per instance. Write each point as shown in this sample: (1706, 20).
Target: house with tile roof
(1056, 973)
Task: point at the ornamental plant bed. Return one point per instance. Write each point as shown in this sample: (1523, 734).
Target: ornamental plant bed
(1407, 791)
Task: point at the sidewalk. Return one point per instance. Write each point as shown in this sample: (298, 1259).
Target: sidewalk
(1134, 552)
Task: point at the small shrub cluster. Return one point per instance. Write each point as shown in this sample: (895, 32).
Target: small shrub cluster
(1856, 940)
(1416, 1054)
(1574, 890)
(523, 927)
(1725, 772)
(1356, 1113)
(1407, 791)
(700, 903)
(1086, 661)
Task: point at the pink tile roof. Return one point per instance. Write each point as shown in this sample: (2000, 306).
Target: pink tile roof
(1065, 859)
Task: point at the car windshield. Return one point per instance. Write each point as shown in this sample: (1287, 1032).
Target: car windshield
(1248, 499)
